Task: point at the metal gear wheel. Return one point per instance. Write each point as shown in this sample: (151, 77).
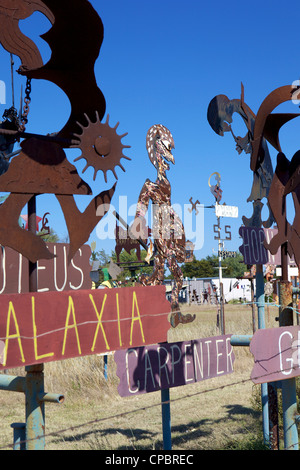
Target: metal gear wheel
(101, 146)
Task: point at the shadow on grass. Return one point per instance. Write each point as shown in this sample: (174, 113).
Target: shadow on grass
(190, 434)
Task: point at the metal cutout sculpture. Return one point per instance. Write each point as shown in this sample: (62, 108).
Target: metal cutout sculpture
(41, 166)
(286, 178)
(167, 230)
(220, 117)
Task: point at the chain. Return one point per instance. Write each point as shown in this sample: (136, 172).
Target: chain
(27, 101)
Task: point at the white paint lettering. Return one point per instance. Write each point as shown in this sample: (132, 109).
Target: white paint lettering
(283, 367)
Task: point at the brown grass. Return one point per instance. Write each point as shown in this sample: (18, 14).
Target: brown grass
(206, 415)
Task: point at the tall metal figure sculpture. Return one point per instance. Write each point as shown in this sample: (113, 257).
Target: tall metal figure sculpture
(167, 229)
(220, 117)
(41, 167)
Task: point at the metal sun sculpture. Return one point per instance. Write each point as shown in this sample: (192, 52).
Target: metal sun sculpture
(220, 117)
(75, 39)
(167, 230)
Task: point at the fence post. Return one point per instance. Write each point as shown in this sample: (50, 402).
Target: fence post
(260, 299)
(166, 418)
(289, 395)
(19, 436)
(35, 408)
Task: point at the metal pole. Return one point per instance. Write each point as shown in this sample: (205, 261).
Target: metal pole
(220, 243)
(105, 366)
(289, 395)
(252, 306)
(166, 419)
(260, 299)
(35, 408)
(19, 436)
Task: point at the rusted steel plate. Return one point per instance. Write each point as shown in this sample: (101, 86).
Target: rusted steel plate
(276, 354)
(268, 125)
(51, 326)
(253, 249)
(42, 167)
(156, 367)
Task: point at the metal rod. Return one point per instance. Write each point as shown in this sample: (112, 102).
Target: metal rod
(240, 340)
(12, 79)
(12, 383)
(51, 397)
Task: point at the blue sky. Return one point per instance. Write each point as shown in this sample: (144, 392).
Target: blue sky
(161, 62)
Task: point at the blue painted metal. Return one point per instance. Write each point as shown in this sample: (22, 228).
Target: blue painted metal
(260, 299)
(19, 436)
(289, 393)
(35, 409)
(289, 410)
(12, 383)
(51, 397)
(240, 340)
(105, 366)
(30, 435)
(166, 418)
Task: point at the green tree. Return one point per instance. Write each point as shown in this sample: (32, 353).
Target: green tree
(208, 267)
(51, 237)
(235, 266)
(201, 268)
(128, 259)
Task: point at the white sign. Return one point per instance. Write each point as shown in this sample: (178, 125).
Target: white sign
(226, 211)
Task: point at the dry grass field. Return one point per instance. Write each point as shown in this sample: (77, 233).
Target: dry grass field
(210, 415)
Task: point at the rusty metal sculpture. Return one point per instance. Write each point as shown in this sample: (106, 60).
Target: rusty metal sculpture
(75, 39)
(167, 229)
(286, 178)
(220, 117)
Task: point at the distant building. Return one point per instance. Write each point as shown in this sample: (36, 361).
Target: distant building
(206, 290)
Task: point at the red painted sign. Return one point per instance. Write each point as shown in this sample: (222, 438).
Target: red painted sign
(152, 368)
(276, 354)
(53, 275)
(51, 326)
(253, 249)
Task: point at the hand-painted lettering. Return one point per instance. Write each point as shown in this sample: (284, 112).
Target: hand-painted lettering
(99, 324)
(71, 309)
(167, 365)
(36, 355)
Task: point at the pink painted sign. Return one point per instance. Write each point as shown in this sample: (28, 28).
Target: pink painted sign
(276, 258)
(276, 354)
(53, 274)
(166, 365)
